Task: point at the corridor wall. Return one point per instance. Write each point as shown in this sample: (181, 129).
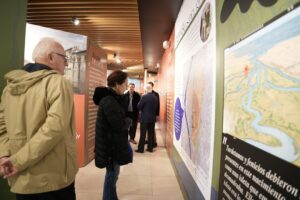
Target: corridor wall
(12, 40)
(166, 90)
(194, 92)
(96, 76)
(233, 22)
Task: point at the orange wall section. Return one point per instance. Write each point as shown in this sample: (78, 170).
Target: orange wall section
(80, 127)
(165, 87)
(85, 109)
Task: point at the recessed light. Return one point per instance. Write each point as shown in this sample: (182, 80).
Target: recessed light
(75, 21)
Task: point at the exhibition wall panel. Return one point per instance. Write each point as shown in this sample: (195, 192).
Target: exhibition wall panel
(194, 93)
(255, 99)
(166, 80)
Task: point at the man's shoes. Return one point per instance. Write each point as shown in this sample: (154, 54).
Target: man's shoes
(150, 150)
(139, 151)
(155, 145)
(132, 141)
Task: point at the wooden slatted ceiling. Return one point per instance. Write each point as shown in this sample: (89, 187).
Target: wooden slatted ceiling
(113, 24)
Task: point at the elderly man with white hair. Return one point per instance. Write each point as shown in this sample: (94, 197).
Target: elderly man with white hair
(147, 105)
(37, 127)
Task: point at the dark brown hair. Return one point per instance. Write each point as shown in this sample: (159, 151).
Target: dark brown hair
(116, 77)
(151, 83)
(131, 84)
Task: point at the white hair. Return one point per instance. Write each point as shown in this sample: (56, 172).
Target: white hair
(44, 47)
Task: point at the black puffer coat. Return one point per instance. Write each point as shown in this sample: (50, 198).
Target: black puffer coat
(111, 143)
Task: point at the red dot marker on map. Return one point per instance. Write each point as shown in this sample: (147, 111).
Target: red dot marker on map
(246, 71)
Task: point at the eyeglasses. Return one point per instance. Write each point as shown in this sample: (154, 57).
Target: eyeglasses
(63, 56)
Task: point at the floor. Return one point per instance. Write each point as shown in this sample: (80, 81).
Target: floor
(149, 177)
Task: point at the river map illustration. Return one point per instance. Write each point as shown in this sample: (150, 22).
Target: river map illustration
(262, 88)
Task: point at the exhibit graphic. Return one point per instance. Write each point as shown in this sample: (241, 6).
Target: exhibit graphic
(194, 91)
(198, 107)
(262, 88)
(205, 25)
(178, 115)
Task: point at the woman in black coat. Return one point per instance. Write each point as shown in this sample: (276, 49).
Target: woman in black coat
(111, 143)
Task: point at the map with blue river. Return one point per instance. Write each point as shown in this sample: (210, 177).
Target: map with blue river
(262, 88)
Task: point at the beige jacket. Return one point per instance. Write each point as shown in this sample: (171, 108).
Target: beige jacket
(37, 130)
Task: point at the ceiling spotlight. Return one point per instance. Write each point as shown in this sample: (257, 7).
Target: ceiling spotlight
(75, 21)
(118, 60)
(117, 57)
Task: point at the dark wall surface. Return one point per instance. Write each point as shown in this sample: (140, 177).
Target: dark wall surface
(12, 40)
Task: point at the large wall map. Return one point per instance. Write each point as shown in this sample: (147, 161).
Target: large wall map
(262, 88)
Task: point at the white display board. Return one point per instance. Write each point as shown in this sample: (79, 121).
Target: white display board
(35, 33)
(195, 71)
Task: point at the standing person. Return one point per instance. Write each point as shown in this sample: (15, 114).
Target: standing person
(111, 143)
(132, 98)
(147, 105)
(157, 110)
(37, 127)
(157, 95)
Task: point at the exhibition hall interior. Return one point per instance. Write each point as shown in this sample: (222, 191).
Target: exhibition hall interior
(228, 77)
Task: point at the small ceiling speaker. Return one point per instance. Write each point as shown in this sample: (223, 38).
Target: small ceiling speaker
(166, 44)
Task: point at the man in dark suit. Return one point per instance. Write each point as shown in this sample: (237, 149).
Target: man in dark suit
(157, 110)
(148, 106)
(132, 98)
(157, 95)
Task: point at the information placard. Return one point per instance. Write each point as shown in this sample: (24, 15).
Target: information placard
(250, 173)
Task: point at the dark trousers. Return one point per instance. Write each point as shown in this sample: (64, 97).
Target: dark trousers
(132, 129)
(155, 141)
(144, 128)
(67, 193)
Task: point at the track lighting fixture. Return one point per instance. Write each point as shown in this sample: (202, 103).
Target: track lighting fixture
(75, 21)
